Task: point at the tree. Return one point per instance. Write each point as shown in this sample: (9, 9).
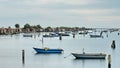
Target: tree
(27, 26)
(48, 29)
(17, 26)
(38, 26)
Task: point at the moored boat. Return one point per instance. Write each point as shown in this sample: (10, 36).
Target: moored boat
(97, 36)
(94, 36)
(48, 50)
(51, 35)
(27, 35)
(89, 55)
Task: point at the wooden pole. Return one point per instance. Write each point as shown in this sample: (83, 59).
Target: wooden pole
(60, 37)
(109, 61)
(73, 35)
(23, 56)
(113, 44)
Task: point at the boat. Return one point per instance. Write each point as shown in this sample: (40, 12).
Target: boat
(97, 36)
(62, 34)
(47, 35)
(27, 35)
(46, 50)
(51, 35)
(94, 36)
(89, 55)
(83, 32)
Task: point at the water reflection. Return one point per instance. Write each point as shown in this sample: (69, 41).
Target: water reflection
(89, 63)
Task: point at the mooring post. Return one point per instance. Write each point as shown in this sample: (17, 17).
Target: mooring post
(73, 35)
(113, 44)
(109, 61)
(23, 56)
(60, 37)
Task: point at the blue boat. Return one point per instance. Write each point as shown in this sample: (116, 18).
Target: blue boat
(48, 51)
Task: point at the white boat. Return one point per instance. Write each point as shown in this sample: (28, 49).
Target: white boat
(96, 36)
(89, 55)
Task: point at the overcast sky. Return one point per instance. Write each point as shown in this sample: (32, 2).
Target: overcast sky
(73, 13)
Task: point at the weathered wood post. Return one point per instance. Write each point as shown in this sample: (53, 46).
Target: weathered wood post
(113, 44)
(23, 56)
(107, 35)
(73, 35)
(109, 61)
(60, 37)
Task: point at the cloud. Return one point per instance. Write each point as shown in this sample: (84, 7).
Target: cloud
(106, 19)
(71, 2)
(91, 11)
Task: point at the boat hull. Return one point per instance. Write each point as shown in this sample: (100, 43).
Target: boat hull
(40, 50)
(95, 36)
(89, 56)
(27, 35)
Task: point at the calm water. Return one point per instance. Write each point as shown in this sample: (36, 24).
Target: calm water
(11, 49)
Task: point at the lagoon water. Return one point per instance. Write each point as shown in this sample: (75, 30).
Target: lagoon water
(11, 51)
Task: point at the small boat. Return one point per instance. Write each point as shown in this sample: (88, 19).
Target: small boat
(48, 50)
(94, 36)
(89, 55)
(83, 32)
(47, 35)
(63, 34)
(97, 36)
(27, 35)
(51, 35)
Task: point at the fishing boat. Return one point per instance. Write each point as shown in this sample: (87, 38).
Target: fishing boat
(89, 55)
(46, 50)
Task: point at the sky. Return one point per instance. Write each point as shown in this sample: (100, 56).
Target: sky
(56, 13)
